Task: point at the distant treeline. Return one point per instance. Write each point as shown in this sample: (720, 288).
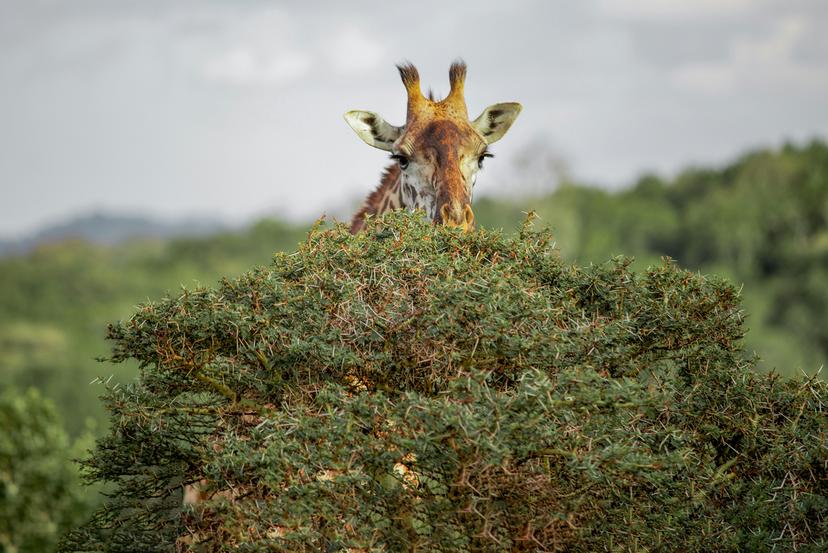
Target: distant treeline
(761, 221)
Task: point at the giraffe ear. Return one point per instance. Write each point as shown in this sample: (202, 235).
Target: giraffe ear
(373, 129)
(496, 120)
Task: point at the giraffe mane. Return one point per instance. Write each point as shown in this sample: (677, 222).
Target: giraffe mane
(372, 206)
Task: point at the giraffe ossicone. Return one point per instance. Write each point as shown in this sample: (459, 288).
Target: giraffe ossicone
(437, 153)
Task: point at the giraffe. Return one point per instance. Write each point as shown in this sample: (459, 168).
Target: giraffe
(437, 153)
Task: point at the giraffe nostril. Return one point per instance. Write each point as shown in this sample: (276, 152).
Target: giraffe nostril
(457, 216)
(468, 216)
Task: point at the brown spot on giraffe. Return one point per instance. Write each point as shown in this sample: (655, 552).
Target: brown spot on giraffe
(438, 151)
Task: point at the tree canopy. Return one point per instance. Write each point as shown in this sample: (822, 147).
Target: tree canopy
(413, 388)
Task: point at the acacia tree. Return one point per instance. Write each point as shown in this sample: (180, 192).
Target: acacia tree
(416, 389)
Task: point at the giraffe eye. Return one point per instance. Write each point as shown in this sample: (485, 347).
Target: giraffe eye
(401, 159)
(481, 158)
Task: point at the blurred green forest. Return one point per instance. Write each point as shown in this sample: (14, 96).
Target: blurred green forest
(761, 221)
(56, 302)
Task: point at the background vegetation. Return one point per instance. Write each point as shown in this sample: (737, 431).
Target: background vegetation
(761, 222)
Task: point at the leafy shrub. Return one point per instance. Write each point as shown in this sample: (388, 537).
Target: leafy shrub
(412, 388)
(40, 495)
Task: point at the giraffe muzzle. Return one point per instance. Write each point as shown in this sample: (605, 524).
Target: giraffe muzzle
(458, 218)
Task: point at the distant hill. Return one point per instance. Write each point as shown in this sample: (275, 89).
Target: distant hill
(109, 229)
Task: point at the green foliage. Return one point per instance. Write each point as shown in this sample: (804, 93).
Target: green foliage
(414, 388)
(55, 304)
(762, 221)
(40, 495)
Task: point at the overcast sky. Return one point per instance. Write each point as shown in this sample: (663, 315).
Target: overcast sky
(234, 108)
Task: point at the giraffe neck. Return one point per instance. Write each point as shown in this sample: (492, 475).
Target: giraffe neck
(385, 198)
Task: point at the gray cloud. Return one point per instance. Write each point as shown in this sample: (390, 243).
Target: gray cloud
(236, 108)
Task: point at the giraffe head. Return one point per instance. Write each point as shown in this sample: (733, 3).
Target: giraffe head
(439, 150)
